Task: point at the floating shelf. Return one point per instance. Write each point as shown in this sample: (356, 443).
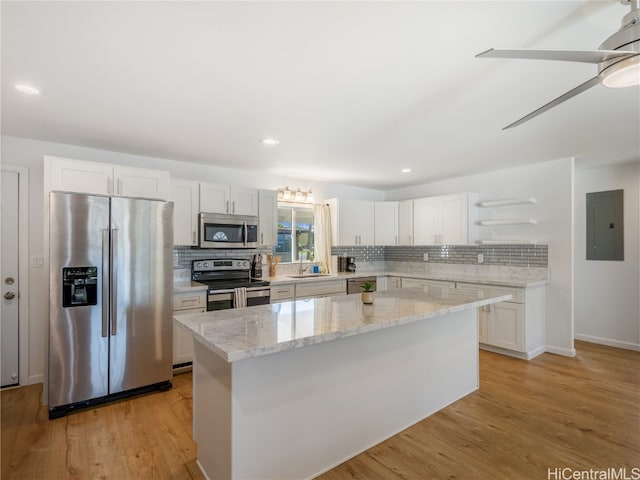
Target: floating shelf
(508, 242)
(514, 221)
(508, 201)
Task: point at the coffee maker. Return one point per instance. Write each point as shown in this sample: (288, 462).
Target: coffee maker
(351, 264)
(256, 266)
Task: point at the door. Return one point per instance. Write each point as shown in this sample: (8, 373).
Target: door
(10, 283)
(141, 327)
(78, 335)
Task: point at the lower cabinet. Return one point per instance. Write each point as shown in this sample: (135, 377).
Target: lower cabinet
(516, 325)
(281, 293)
(185, 302)
(314, 289)
(502, 325)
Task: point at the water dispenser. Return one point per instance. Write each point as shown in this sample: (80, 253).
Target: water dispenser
(79, 286)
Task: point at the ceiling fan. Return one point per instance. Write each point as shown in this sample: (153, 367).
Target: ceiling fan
(618, 60)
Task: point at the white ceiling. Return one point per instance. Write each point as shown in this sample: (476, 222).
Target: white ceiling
(354, 91)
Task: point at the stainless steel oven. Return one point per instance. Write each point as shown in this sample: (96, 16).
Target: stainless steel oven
(227, 231)
(225, 299)
(229, 283)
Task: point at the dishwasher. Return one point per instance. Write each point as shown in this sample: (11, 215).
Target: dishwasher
(354, 285)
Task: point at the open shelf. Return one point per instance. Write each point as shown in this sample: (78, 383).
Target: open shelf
(513, 221)
(507, 201)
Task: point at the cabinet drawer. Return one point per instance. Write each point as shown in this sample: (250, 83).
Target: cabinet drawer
(188, 301)
(321, 288)
(282, 292)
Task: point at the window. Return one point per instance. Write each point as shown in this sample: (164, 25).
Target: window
(295, 233)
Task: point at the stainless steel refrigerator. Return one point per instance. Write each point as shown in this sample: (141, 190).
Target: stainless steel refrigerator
(111, 282)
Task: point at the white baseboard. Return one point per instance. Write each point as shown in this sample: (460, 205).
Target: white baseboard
(33, 379)
(565, 352)
(512, 353)
(607, 341)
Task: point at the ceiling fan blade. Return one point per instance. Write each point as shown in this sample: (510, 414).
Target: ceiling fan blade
(586, 56)
(562, 98)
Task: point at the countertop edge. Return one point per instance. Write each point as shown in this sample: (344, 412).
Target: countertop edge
(234, 356)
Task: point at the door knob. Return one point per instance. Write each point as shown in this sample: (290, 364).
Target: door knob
(9, 295)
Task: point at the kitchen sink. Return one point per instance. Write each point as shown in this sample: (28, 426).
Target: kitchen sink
(312, 275)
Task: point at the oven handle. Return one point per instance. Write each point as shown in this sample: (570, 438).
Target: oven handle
(228, 294)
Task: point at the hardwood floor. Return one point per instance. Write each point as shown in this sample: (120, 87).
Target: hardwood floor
(527, 417)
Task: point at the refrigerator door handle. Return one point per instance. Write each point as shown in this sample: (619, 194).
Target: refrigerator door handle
(114, 281)
(105, 283)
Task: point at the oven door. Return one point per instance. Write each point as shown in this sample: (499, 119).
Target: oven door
(224, 299)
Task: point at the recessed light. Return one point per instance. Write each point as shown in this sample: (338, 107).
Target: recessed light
(406, 170)
(29, 90)
(270, 141)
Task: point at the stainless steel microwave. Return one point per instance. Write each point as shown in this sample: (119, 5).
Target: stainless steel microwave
(218, 230)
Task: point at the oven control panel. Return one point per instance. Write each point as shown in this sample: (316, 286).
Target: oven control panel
(220, 264)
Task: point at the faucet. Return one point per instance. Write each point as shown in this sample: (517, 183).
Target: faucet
(301, 269)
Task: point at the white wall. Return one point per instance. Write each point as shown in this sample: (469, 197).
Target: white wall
(551, 183)
(30, 153)
(607, 293)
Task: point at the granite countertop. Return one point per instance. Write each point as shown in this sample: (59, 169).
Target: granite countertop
(188, 286)
(242, 333)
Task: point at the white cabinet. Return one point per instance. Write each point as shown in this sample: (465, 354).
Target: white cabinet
(394, 282)
(281, 293)
(516, 325)
(141, 182)
(69, 175)
(320, 289)
(308, 289)
(385, 223)
(381, 283)
(405, 222)
(444, 219)
(505, 326)
(185, 303)
(268, 213)
(185, 197)
(216, 198)
(351, 222)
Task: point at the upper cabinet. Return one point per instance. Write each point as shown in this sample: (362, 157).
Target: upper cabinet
(405, 222)
(386, 223)
(186, 204)
(351, 222)
(216, 198)
(105, 179)
(445, 219)
(268, 213)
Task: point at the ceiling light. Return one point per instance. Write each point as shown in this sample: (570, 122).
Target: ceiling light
(625, 73)
(27, 89)
(270, 141)
(406, 170)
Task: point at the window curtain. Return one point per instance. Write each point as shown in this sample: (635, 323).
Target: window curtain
(322, 236)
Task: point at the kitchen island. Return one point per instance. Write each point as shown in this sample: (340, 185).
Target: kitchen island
(290, 390)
